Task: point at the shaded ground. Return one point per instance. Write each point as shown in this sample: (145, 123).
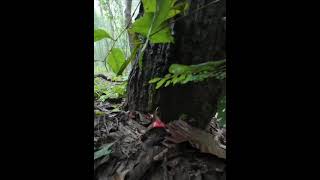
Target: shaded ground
(138, 153)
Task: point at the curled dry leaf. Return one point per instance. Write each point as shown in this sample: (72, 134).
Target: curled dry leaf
(180, 131)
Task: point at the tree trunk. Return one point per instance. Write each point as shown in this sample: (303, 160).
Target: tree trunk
(199, 37)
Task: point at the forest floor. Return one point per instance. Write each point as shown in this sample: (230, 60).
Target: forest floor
(126, 149)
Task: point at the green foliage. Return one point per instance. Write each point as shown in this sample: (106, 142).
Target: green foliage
(154, 80)
(180, 7)
(131, 58)
(182, 74)
(149, 5)
(104, 90)
(100, 34)
(109, 17)
(114, 92)
(150, 22)
(155, 20)
(116, 59)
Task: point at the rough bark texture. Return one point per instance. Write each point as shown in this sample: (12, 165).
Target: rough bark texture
(199, 37)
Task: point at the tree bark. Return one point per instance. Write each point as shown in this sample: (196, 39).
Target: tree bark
(199, 37)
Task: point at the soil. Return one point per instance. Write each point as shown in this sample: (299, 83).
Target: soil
(137, 153)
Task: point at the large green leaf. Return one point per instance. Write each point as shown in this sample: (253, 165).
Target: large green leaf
(116, 59)
(131, 58)
(149, 5)
(179, 68)
(163, 36)
(142, 24)
(160, 33)
(187, 79)
(100, 34)
(163, 10)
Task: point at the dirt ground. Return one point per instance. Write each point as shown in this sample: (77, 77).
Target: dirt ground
(136, 152)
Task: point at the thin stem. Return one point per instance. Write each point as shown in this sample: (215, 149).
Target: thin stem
(114, 42)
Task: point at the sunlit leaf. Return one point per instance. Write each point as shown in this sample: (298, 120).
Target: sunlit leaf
(188, 78)
(131, 58)
(179, 68)
(163, 36)
(116, 59)
(142, 24)
(149, 5)
(172, 13)
(159, 32)
(100, 34)
(167, 84)
(179, 79)
(154, 80)
(160, 83)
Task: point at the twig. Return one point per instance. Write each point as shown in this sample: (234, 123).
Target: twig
(127, 26)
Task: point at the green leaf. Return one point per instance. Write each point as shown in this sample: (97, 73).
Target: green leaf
(186, 7)
(103, 98)
(208, 66)
(182, 6)
(126, 63)
(142, 24)
(154, 80)
(179, 68)
(116, 59)
(163, 9)
(163, 36)
(188, 78)
(104, 151)
(159, 32)
(100, 34)
(160, 83)
(172, 13)
(179, 79)
(167, 84)
(149, 5)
